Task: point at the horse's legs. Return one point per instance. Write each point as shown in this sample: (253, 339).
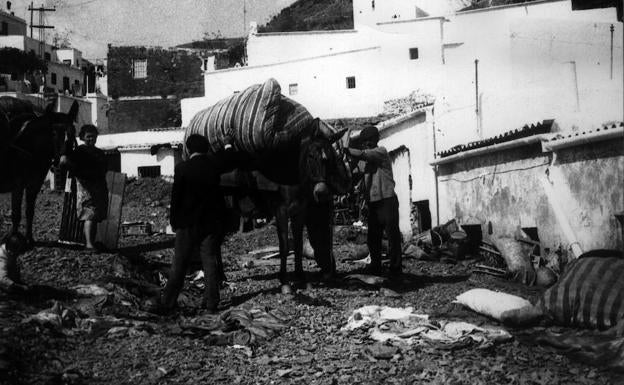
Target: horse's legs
(297, 222)
(16, 208)
(31, 198)
(281, 221)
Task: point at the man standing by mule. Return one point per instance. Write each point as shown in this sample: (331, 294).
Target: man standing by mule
(383, 204)
(196, 216)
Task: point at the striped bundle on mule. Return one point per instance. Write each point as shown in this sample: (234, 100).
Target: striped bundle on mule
(258, 119)
(590, 293)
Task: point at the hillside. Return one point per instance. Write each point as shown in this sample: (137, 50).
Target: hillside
(311, 15)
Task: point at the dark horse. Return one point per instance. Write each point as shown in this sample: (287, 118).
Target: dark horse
(308, 176)
(29, 145)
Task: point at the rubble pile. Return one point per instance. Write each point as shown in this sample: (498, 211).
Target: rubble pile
(414, 101)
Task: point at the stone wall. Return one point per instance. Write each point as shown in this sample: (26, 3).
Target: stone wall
(143, 114)
(169, 72)
(525, 187)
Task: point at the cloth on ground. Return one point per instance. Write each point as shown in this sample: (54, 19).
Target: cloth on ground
(588, 294)
(405, 326)
(604, 349)
(237, 326)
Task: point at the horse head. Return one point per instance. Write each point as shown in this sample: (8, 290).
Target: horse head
(321, 164)
(62, 129)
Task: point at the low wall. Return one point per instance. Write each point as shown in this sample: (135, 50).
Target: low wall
(143, 114)
(575, 194)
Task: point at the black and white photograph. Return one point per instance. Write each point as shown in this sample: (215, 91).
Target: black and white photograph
(318, 192)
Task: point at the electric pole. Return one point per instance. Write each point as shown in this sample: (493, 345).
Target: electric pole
(244, 17)
(41, 26)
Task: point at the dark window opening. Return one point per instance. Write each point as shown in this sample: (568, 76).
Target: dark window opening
(532, 233)
(293, 89)
(149, 171)
(47, 56)
(67, 61)
(351, 82)
(373, 4)
(4, 29)
(65, 83)
(474, 236)
(413, 52)
(421, 217)
(53, 78)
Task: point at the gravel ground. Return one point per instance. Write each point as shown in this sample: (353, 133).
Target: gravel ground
(311, 350)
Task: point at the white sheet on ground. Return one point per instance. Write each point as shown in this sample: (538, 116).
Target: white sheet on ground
(401, 324)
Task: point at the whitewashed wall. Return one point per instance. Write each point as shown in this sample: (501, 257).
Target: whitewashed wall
(132, 159)
(271, 48)
(516, 46)
(413, 131)
(383, 71)
(370, 12)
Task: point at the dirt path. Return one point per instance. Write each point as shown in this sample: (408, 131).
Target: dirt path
(311, 350)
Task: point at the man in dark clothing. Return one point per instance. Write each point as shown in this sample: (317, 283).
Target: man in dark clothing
(197, 213)
(383, 204)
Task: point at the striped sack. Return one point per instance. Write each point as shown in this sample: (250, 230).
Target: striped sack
(248, 117)
(590, 293)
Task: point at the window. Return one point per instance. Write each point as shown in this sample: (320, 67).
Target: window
(4, 28)
(139, 69)
(47, 56)
(65, 83)
(351, 82)
(53, 78)
(293, 89)
(148, 171)
(413, 52)
(67, 61)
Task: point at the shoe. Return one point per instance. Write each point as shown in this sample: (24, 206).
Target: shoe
(154, 306)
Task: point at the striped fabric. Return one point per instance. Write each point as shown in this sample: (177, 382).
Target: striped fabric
(590, 294)
(249, 117)
(293, 121)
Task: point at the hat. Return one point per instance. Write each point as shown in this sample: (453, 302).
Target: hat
(369, 132)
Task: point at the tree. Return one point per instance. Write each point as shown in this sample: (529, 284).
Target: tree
(17, 62)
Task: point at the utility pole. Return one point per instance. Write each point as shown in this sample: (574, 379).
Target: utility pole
(41, 26)
(244, 17)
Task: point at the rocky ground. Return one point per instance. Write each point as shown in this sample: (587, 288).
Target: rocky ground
(108, 339)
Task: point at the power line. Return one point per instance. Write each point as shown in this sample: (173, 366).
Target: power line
(41, 26)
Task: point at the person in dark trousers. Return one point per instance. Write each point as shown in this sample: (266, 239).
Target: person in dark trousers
(196, 215)
(383, 204)
(88, 164)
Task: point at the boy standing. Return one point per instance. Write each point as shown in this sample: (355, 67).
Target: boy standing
(383, 204)
(196, 215)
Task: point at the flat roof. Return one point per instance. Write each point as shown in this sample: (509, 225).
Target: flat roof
(7, 14)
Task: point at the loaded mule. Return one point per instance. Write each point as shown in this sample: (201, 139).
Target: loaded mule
(29, 145)
(293, 150)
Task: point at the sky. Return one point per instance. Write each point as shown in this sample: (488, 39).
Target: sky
(93, 24)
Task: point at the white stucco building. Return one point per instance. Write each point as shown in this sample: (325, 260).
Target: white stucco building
(145, 153)
(490, 70)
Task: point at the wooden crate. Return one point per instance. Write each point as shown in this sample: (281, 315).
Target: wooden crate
(108, 230)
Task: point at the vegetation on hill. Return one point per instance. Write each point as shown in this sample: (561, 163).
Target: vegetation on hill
(479, 4)
(311, 15)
